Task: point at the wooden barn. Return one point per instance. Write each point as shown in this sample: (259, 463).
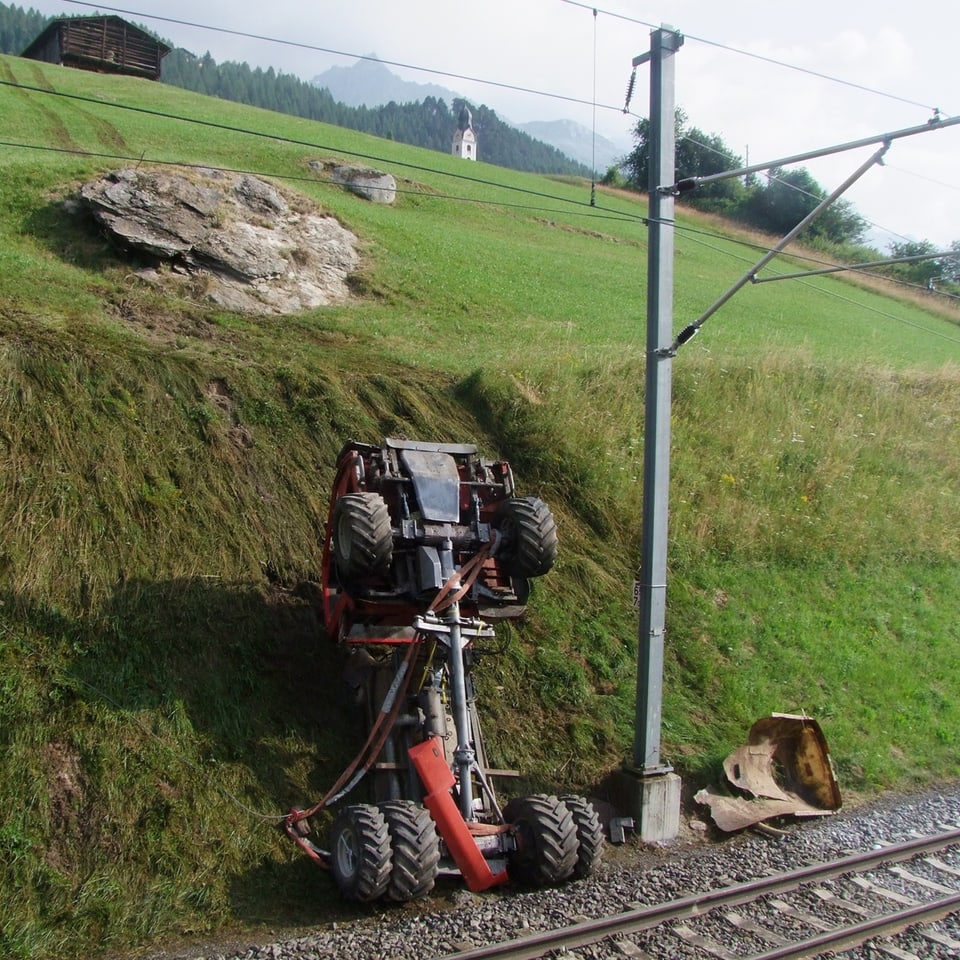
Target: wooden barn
(104, 44)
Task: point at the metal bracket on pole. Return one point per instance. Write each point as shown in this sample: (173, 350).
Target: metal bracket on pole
(750, 276)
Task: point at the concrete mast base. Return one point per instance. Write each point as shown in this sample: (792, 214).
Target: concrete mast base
(652, 799)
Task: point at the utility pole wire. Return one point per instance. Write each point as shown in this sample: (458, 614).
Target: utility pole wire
(839, 268)
(807, 193)
(343, 53)
(880, 313)
(291, 140)
(823, 290)
(494, 83)
(760, 57)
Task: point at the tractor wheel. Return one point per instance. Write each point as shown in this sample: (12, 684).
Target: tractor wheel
(589, 835)
(362, 536)
(360, 853)
(546, 840)
(529, 536)
(415, 847)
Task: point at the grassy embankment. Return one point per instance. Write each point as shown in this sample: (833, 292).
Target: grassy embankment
(164, 469)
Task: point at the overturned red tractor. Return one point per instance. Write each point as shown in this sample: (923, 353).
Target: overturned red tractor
(425, 543)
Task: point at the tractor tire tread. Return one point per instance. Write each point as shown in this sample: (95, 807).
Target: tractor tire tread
(589, 835)
(415, 848)
(547, 838)
(531, 535)
(369, 547)
(371, 876)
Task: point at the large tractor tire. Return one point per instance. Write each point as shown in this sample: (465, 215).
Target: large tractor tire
(360, 853)
(529, 534)
(546, 840)
(415, 848)
(589, 835)
(362, 536)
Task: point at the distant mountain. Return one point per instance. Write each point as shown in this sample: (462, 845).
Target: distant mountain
(370, 83)
(576, 141)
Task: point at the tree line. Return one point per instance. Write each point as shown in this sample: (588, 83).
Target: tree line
(777, 201)
(19, 28)
(428, 123)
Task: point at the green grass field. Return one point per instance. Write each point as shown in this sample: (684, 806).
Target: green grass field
(166, 688)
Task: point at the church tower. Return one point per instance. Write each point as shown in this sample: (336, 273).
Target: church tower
(464, 139)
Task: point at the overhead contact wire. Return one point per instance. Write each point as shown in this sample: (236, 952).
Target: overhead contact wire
(755, 56)
(343, 53)
(605, 213)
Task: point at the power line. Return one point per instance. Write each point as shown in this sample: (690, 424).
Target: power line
(879, 312)
(760, 57)
(796, 187)
(592, 211)
(855, 267)
(815, 73)
(806, 257)
(592, 102)
(920, 176)
(482, 80)
(611, 13)
(342, 53)
(229, 128)
(616, 216)
(291, 140)
(936, 123)
(838, 296)
(501, 84)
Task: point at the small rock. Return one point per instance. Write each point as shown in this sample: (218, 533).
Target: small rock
(368, 183)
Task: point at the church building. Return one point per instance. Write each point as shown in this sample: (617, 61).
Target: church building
(464, 139)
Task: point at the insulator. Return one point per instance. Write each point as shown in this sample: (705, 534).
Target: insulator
(630, 85)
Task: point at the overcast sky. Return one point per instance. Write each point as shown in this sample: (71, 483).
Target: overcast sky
(907, 52)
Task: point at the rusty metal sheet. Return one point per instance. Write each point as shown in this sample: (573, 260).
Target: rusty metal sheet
(786, 770)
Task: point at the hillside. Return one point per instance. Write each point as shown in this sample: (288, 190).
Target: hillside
(165, 465)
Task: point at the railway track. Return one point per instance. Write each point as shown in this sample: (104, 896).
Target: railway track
(816, 909)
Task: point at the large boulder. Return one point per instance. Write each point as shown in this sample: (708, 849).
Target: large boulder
(256, 250)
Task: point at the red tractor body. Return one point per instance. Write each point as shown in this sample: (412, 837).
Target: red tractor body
(393, 508)
(425, 543)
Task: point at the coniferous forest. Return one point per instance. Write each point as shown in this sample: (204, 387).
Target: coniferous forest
(428, 123)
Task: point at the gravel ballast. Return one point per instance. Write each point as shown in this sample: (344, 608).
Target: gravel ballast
(633, 874)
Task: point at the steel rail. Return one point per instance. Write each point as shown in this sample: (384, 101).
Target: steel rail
(857, 933)
(643, 918)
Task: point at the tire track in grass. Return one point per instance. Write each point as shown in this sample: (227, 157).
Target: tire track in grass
(60, 135)
(106, 133)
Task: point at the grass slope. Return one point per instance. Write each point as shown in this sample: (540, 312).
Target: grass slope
(166, 690)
